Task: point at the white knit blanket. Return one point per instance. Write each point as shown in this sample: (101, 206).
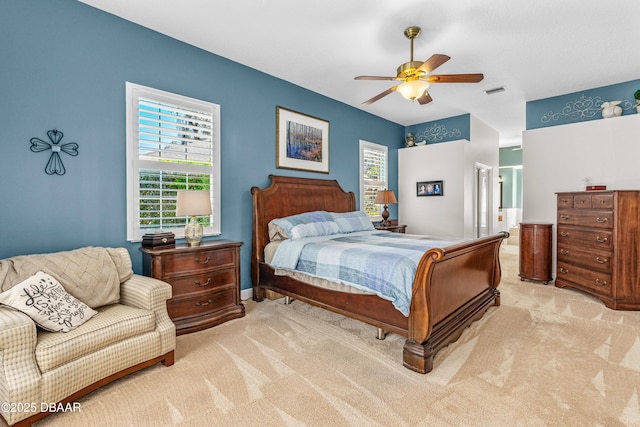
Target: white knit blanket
(91, 274)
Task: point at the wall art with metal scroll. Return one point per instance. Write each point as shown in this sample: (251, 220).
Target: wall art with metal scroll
(54, 165)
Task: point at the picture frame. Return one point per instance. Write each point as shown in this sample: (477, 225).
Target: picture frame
(429, 188)
(302, 141)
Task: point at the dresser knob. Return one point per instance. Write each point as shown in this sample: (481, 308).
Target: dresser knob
(603, 283)
(601, 220)
(199, 283)
(564, 216)
(207, 302)
(602, 260)
(563, 270)
(601, 239)
(202, 262)
(564, 252)
(564, 233)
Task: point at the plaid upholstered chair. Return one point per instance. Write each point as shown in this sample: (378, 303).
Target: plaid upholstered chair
(73, 321)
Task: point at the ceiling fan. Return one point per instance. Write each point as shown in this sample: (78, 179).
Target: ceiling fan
(416, 76)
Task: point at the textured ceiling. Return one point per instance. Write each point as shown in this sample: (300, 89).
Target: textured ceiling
(536, 49)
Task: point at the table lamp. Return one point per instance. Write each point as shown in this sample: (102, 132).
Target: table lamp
(385, 197)
(193, 203)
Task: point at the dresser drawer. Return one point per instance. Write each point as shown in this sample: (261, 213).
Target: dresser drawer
(597, 281)
(202, 283)
(587, 218)
(565, 201)
(201, 304)
(582, 201)
(569, 236)
(589, 258)
(188, 263)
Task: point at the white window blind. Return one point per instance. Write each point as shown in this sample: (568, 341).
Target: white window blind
(172, 144)
(373, 177)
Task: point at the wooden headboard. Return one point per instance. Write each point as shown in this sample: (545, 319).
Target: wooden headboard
(289, 196)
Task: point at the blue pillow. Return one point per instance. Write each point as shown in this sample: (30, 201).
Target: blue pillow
(350, 222)
(308, 224)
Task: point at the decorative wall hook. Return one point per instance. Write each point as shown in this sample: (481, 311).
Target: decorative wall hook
(54, 165)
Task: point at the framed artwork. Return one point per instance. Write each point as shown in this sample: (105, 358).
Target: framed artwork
(429, 188)
(302, 142)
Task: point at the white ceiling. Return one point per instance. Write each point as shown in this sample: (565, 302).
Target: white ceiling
(536, 49)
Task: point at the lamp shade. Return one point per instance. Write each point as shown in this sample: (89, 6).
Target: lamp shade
(412, 89)
(386, 197)
(193, 203)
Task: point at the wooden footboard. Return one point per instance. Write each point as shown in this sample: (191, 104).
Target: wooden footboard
(453, 286)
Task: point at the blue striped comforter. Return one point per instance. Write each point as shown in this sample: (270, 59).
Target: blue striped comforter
(377, 261)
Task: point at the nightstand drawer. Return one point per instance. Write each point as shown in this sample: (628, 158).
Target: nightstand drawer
(202, 282)
(201, 304)
(189, 263)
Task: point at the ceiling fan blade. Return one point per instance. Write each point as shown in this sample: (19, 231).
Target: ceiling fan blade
(425, 98)
(380, 95)
(432, 63)
(374, 78)
(455, 78)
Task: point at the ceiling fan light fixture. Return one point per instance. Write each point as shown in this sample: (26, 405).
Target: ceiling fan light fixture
(412, 89)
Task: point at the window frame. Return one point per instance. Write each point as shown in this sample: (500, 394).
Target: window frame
(134, 164)
(372, 146)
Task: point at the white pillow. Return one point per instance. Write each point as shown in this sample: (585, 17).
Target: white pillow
(43, 299)
(350, 222)
(307, 224)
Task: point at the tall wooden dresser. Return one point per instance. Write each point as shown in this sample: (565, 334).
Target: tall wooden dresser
(598, 245)
(205, 281)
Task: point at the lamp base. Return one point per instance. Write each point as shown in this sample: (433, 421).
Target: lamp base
(193, 232)
(385, 217)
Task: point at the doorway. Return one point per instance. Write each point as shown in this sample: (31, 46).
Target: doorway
(482, 200)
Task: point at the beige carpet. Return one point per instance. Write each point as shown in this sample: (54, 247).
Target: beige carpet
(547, 356)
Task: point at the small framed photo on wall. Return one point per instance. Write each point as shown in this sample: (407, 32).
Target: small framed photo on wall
(429, 188)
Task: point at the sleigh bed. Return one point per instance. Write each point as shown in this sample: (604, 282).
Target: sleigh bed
(453, 285)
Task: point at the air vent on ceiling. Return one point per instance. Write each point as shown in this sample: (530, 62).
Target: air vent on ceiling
(495, 90)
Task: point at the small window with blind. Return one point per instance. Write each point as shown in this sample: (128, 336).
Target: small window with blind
(173, 143)
(373, 177)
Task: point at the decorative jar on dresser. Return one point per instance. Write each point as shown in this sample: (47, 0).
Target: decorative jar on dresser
(205, 281)
(598, 245)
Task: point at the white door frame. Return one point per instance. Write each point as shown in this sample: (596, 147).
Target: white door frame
(488, 202)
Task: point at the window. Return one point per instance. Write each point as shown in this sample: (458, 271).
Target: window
(173, 143)
(373, 177)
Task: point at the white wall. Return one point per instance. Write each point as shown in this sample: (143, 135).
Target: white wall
(558, 158)
(452, 214)
(432, 215)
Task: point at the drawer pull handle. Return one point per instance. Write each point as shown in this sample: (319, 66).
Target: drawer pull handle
(601, 220)
(602, 239)
(199, 283)
(564, 252)
(602, 202)
(564, 233)
(563, 216)
(602, 260)
(207, 302)
(563, 270)
(603, 283)
(582, 202)
(203, 262)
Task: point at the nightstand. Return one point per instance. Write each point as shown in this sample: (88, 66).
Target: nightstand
(393, 228)
(205, 281)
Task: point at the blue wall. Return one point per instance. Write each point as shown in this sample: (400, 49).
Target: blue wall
(580, 106)
(444, 130)
(64, 66)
